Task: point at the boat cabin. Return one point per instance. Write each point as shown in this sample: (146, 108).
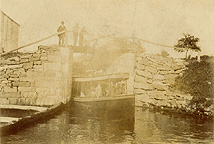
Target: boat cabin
(111, 85)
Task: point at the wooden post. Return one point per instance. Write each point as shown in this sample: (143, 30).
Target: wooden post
(199, 56)
(66, 38)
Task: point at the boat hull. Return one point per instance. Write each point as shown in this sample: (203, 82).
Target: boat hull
(27, 121)
(116, 108)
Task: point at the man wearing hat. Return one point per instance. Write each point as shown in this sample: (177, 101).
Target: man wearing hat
(61, 36)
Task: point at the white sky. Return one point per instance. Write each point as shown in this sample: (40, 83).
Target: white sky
(160, 21)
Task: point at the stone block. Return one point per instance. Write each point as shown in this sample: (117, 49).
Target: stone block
(15, 84)
(144, 86)
(13, 101)
(9, 95)
(40, 101)
(140, 100)
(12, 62)
(26, 89)
(37, 62)
(144, 74)
(49, 84)
(38, 68)
(29, 73)
(5, 81)
(24, 60)
(21, 70)
(43, 58)
(21, 101)
(158, 77)
(28, 101)
(36, 55)
(14, 76)
(16, 72)
(52, 67)
(159, 86)
(139, 91)
(32, 84)
(14, 58)
(7, 89)
(39, 90)
(25, 56)
(65, 68)
(163, 68)
(28, 94)
(4, 101)
(140, 78)
(13, 79)
(140, 66)
(24, 84)
(28, 65)
(151, 69)
(32, 101)
(171, 76)
(50, 74)
(55, 59)
(26, 79)
(144, 61)
(149, 81)
(51, 100)
(9, 71)
(163, 72)
(37, 74)
(161, 95)
(152, 60)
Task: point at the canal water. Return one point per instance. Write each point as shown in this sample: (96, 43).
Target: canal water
(114, 123)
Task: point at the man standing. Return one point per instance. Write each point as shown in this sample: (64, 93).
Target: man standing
(81, 36)
(76, 33)
(61, 36)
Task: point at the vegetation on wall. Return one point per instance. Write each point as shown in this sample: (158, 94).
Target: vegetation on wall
(198, 80)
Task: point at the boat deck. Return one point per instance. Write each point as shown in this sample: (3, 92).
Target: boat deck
(94, 99)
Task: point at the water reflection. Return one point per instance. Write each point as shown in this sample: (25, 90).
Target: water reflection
(171, 128)
(97, 123)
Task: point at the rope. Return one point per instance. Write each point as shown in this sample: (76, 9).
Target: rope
(157, 44)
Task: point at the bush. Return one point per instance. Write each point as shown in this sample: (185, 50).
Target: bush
(198, 80)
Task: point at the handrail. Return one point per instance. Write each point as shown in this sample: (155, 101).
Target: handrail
(48, 37)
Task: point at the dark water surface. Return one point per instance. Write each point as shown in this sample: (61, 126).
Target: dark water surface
(98, 123)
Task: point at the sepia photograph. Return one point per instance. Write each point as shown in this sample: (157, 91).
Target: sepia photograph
(107, 72)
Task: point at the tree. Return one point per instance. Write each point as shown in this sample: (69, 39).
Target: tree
(188, 42)
(164, 53)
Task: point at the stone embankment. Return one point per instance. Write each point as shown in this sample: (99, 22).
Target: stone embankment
(39, 78)
(154, 79)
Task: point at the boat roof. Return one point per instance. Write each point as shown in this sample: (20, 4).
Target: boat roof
(123, 76)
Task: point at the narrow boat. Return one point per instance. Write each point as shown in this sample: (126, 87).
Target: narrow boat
(101, 88)
(16, 117)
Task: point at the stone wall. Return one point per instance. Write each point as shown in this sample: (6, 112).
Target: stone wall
(40, 78)
(153, 80)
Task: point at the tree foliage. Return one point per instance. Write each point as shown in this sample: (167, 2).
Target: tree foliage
(188, 42)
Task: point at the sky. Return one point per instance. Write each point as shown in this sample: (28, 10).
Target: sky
(160, 21)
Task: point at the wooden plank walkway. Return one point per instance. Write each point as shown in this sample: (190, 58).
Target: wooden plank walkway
(21, 107)
(8, 119)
